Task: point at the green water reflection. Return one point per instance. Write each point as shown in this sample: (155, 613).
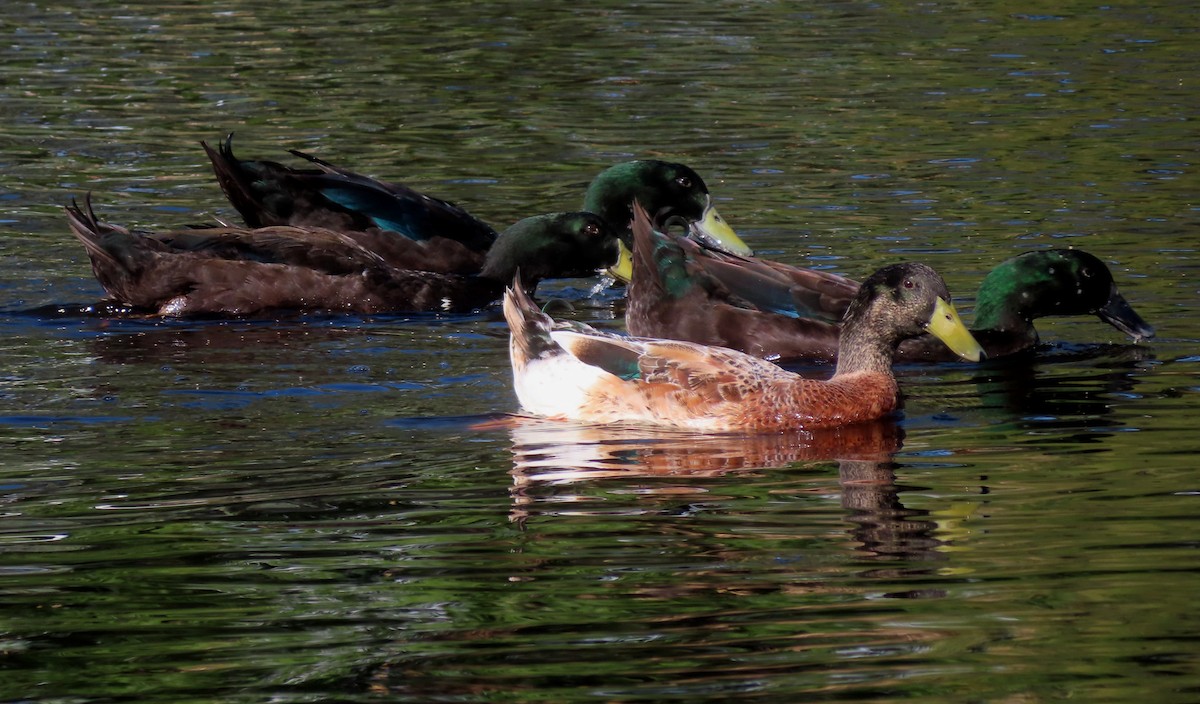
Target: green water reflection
(309, 510)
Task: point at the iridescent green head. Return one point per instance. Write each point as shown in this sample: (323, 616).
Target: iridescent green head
(673, 194)
(1053, 282)
(558, 245)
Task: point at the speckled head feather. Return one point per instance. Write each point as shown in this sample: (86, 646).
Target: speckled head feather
(898, 302)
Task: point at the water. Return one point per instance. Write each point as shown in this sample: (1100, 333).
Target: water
(333, 509)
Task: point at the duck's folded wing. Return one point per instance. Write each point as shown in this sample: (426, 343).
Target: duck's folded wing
(759, 288)
(269, 193)
(779, 288)
(316, 248)
(616, 355)
(697, 372)
(396, 207)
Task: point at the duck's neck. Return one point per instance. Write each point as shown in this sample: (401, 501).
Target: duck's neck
(501, 265)
(1003, 314)
(857, 352)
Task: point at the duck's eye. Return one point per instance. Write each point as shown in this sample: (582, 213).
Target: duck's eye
(591, 229)
(684, 181)
(908, 283)
(1085, 273)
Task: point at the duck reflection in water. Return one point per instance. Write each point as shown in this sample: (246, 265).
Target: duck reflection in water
(1081, 391)
(663, 465)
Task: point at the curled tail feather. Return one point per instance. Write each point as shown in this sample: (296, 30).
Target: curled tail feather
(645, 243)
(228, 171)
(88, 230)
(119, 257)
(528, 325)
(324, 165)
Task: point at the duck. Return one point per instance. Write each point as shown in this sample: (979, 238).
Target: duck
(571, 373)
(681, 290)
(438, 235)
(1039, 284)
(239, 272)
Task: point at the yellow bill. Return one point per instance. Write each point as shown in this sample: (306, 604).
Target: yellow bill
(946, 326)
(623, 269)
(712, 231)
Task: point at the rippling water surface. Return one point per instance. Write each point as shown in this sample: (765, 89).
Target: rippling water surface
(337, 509)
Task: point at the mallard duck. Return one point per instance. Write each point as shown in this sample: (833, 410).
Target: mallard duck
(585, 376)
(680, 290)
(229, 271)
(451, 240)
(1037, 285)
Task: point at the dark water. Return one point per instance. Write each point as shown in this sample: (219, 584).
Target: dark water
(325, 509)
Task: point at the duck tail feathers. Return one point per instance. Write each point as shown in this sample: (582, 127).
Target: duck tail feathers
(662, 263)
(90, 232)
(118, 256)
(529, 327)
(235, 181)
(645, 244)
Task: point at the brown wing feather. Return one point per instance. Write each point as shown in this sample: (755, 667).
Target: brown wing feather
(710, 314)
(323, 250)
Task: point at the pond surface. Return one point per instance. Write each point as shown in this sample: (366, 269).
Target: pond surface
(333, 508)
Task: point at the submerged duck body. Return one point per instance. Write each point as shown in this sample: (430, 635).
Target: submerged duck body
(582, 375)
(771, 310)
(415, 231)
(1040, 284)
(242, 272)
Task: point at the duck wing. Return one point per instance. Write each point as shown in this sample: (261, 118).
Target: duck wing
(679, 291)
(269, 193)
